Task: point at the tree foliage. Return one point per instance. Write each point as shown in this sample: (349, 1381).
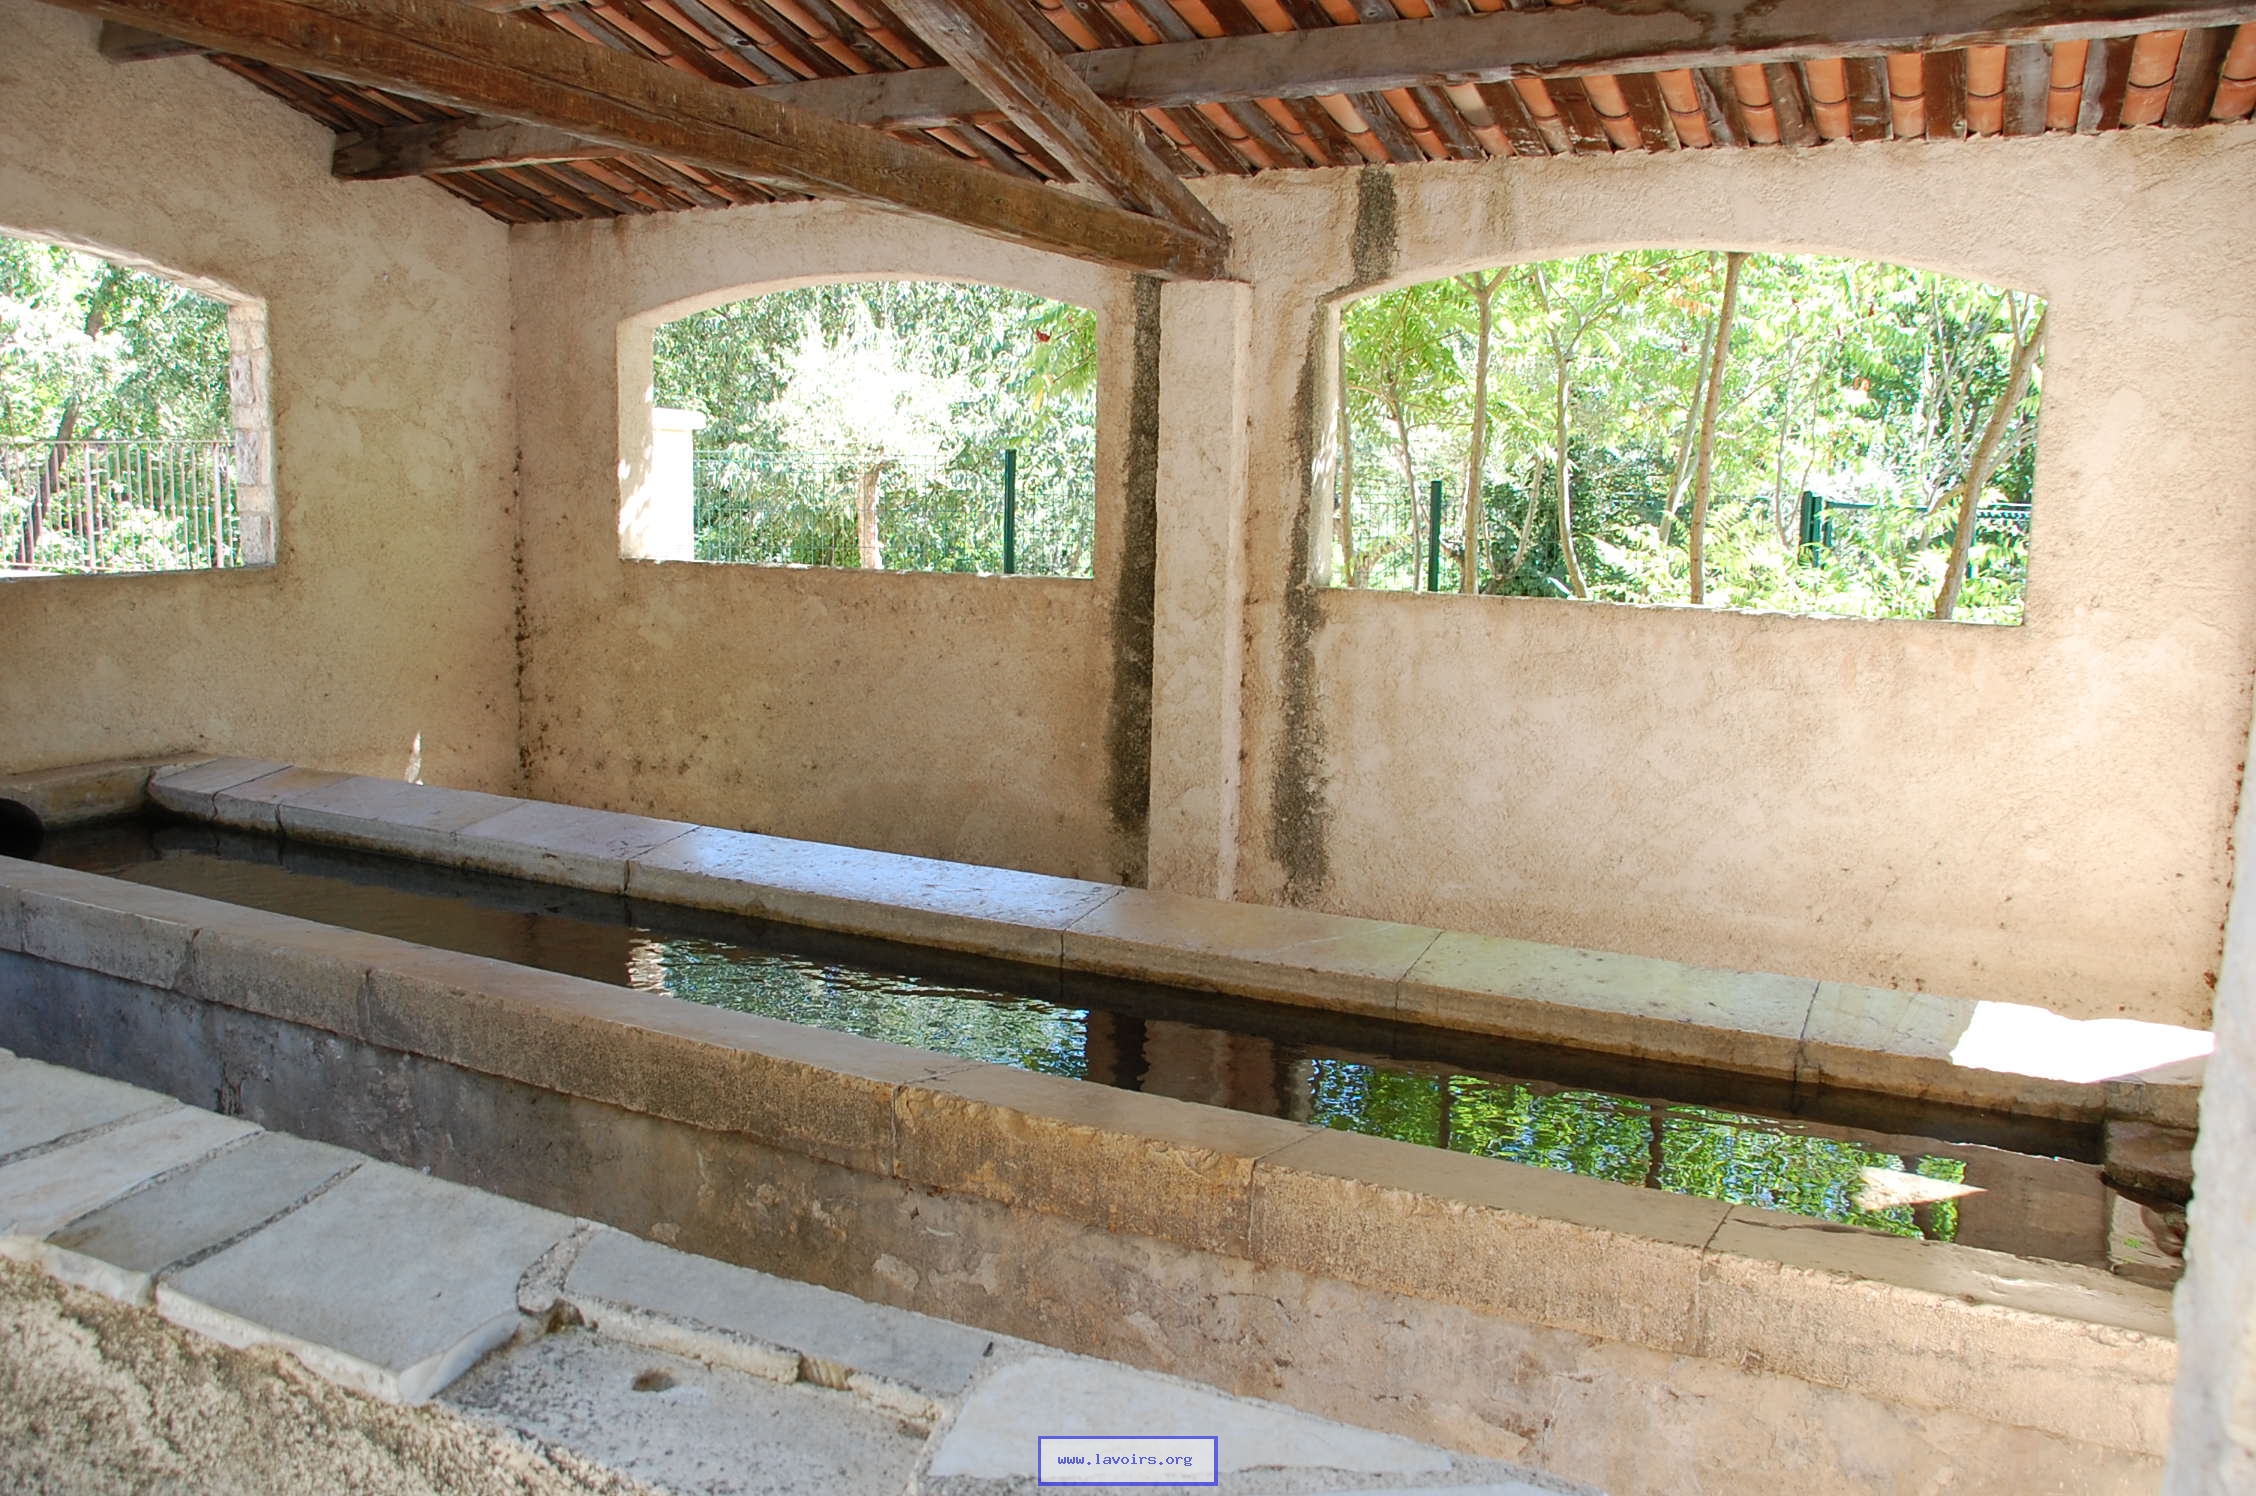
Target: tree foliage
(1869, 385)
(138, 355)
(828, 402)
(114, 417)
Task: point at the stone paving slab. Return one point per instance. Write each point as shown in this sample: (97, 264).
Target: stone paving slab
(689, 1427)
(391, 1283)
(47, 1191)
(75, 793)
(188, 791)
(389, 815)
(994, 1434)
(120, 1249)
(641, 1291)
(953, 905)
(1254, 950)
(40, 1103)
(254, 804)
(565, 844)
(1748, 1021)
(394, 1284)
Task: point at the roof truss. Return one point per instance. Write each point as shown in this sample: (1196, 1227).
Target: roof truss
(452, 54)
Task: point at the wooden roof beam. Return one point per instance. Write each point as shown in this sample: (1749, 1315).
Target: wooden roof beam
(121, 43)
(450, 54)
(1596, 36)
(998, 52)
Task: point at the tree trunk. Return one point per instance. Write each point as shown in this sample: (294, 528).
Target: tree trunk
(1346, 476)
(1785, 429)
(1566, 480)
(1681, 473)
(1985, 459)
(1528, 518)
(872, 555)
(1696, 539)
(1476, 455)
(51, 475)
(1409, 482)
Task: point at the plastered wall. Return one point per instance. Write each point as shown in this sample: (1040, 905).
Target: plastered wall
(387, 619)
(2032, 814)
(985, 719)
(2037, 813)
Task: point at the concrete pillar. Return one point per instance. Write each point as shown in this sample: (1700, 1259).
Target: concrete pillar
(1198, 627)
(2213, 1437)
(658, 489)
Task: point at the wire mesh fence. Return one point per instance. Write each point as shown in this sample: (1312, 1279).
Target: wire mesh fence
(1403, 537)
(1030, 511)
(118, 506)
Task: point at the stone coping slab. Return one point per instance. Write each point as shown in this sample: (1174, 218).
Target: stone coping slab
(1609, 1261)
(77, 793)
(1926, 1045)
(907, 1363)
(635, 1355)
(46, 1191)
(389, 1282)
(41, 1105)
(120, 1249)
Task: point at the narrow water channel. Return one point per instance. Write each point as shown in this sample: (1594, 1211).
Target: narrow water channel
(1884, 1164)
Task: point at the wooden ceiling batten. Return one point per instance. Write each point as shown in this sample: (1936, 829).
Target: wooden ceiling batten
(1244, 86)
(462, 58)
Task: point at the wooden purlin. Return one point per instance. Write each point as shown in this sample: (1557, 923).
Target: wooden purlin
(460, 58)
(823, 43)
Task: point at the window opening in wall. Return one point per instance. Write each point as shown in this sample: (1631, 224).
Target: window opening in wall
(894, 425)
(1791, 433)
(118, 443)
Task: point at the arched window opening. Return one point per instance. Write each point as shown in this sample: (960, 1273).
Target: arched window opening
(1787, 433)
(131, 420)
(884, 425)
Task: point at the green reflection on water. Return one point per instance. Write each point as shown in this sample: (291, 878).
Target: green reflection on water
(1688, 1150)
(962, 1021)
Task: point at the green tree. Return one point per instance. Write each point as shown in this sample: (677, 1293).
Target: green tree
(861, 423)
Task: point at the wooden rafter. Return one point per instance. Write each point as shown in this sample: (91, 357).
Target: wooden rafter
(996, 51)
(448, 53)
(1597, 36)
(455, 145)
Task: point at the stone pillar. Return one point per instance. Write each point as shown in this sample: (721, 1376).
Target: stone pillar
(2213, 1434)
(658, 489)
(1198, 626)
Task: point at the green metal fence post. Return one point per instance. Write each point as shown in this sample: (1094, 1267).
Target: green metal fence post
(1813, 528)
(1010, 510)
(1433, 528)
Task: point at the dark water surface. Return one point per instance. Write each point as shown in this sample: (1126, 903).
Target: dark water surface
(1887, 1165)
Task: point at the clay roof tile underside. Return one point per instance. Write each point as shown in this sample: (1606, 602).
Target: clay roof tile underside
(2157, 79)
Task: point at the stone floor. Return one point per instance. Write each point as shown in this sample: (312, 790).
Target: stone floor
(482, 1344)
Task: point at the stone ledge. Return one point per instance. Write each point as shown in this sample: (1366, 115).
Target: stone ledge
(1503, 1240)
(395, 1285)
(77, 793)
(1917, 1044)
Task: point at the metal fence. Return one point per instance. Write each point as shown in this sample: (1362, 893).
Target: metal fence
(118, 506)
(1030, 511)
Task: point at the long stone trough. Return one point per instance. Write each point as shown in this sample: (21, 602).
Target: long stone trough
(1575, 1324)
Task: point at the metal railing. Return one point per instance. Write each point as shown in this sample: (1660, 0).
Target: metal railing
(106, 506)
(1028, 510)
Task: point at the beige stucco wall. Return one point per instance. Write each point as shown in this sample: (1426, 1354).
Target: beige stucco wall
(2035, 813)
(389, 614)
(944, 715)
(2213, 1439)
